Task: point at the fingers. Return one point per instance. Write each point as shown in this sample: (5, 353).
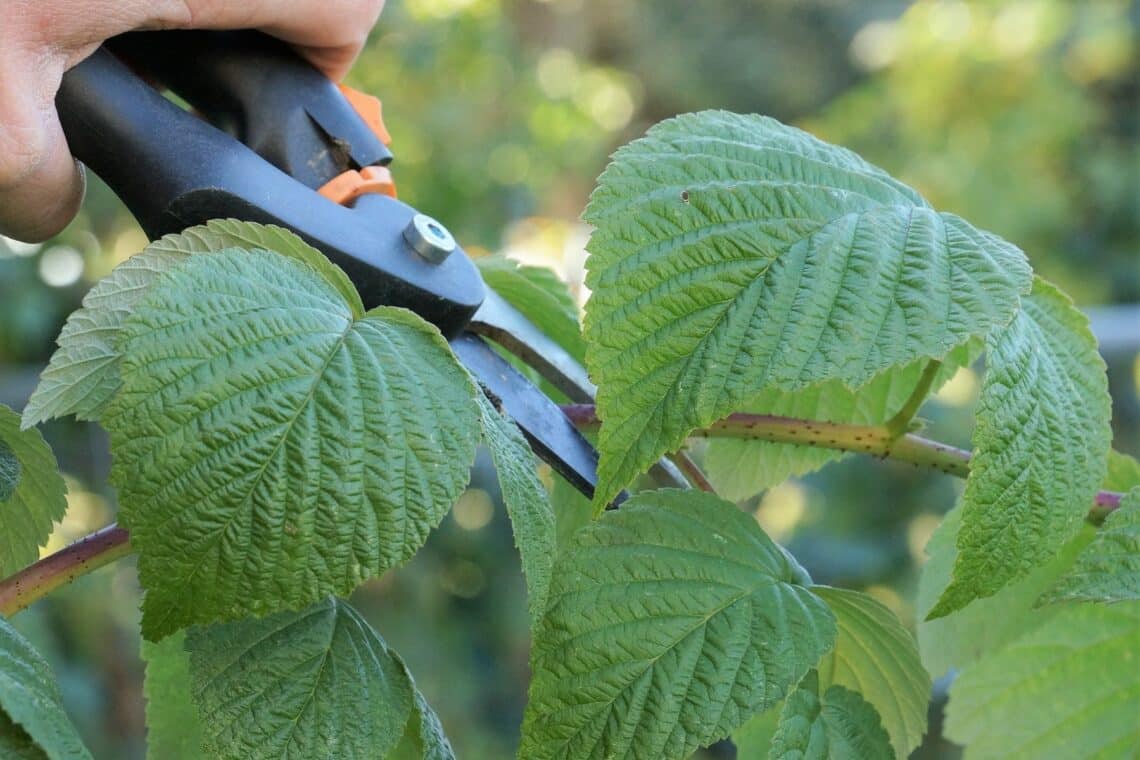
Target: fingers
(41, 185)
(330, 33)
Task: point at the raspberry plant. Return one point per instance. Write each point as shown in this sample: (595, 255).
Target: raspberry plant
(275, 445)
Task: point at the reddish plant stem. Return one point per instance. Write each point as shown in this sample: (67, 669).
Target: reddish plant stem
(102, 547)
(112, 542)
(875, 440)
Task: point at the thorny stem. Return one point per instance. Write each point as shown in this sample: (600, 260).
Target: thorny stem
(35, 581)
(112, 542)
(876, 440)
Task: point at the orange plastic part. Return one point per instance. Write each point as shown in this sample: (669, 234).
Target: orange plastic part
(350, 185)
(370, 109)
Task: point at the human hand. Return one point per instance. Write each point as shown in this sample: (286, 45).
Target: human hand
(41, 185)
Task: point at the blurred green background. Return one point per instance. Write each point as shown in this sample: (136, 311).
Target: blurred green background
(1020, 116)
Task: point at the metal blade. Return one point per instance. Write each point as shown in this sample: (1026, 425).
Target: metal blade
(553, 437)
(505, 325)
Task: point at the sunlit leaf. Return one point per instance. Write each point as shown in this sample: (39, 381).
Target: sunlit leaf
(1108, 569)
(1067, 689)
(83, 374)
(734, 254)
(1040, 447)
(878, 658)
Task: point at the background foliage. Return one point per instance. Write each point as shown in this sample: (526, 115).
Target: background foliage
(1020, 116)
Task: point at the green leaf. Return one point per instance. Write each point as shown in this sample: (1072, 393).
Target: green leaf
(572, 510)
(1040, 447)
(986, 625)
(734, 254)
(540, 295)
(754, 738)
(30, 699)
(314, 683)
(1108, 570)
(740, 468)
(671, 621)
(424, 738)
(1123, 472)
(838, 726)
(1068, 689)
(83, 374)
(532, 517)
(15, 744)
(877, 657)
(270, 449)
(32, 493)
(173, 730)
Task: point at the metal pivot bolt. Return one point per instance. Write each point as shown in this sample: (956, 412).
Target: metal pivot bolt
(429, 238)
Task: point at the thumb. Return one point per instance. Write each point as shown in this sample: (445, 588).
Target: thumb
(41, 185)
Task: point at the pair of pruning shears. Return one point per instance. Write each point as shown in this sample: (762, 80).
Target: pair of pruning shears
(274, 141)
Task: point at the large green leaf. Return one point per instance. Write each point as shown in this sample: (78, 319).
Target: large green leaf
(271, 448)
(878, 658)
(671, 621)
(30, 701)
(423, 738)
(835, 725)
(741, 468)
(1040, 447)
(1108, 570)
(734, 254)
(532, 517)
(986, 625)
(83, 374)
(315, 683)
(173, 729)
(32, 493)
(1067, 690)
(754, 738)
(1123, 472)
(540, 295)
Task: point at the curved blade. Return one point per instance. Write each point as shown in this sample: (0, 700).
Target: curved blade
(553, 437)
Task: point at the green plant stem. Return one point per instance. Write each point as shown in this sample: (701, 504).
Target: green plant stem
(898, 424)
(35, 581)
(875, 440)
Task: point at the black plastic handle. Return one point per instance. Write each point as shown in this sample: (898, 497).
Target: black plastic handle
(173, 170)
(259, 90)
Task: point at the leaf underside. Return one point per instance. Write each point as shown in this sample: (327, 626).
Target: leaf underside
(733, 254)
(877, 657)
(671, 621)
(1040, 447)
(270, 448)
(835, 725)
(30, 701)
(1067, 689)
(32, 493)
